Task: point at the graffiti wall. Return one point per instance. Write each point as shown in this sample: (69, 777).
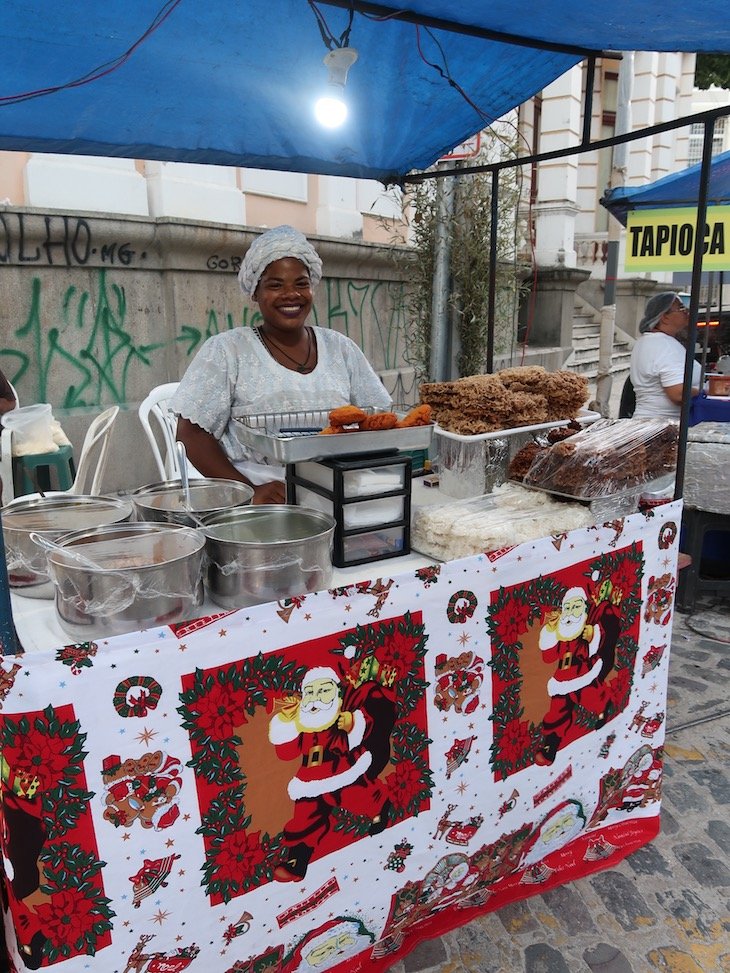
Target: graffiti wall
(97, 311)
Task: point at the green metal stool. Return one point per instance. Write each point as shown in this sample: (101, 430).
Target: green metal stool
(32, 473)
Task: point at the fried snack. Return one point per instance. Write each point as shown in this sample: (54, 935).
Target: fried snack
(566, 393)
(346, 415)
(527, 409)
(331, 431)
(483, 397)
(563, 432)
(379, 420)
(453, 420)
(420, 416)
(437, 393)
(521, 396)
(524, 378)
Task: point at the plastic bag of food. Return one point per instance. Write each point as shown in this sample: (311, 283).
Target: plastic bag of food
(613, 456)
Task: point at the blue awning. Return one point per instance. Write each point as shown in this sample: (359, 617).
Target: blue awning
(678, 189)
(233, 83)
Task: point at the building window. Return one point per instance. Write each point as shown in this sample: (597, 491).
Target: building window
(697, 135)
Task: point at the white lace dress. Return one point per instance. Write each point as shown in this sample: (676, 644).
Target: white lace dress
(234, 374)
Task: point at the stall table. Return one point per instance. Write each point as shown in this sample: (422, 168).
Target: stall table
(323, 782)
(709, 408)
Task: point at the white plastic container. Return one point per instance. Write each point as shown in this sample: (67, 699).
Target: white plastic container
(365, 513)
(32, 429)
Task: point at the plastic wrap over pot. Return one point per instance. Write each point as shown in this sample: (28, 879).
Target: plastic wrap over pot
(143, 575)
(166, 502)
(51, 516)
(706, 480)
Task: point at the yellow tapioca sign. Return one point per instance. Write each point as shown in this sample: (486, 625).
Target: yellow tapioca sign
(664, 239)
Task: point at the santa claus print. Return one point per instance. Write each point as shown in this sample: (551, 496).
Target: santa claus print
(342, 734)
(581, 649)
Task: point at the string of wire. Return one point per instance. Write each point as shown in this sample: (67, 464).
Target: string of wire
(101, 70)
(330, 41)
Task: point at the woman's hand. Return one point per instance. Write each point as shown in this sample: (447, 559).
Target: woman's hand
(272, 492)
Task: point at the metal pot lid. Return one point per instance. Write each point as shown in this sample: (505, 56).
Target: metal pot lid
(133, 546)
(65, 513)
(267, 524)
(205, 495)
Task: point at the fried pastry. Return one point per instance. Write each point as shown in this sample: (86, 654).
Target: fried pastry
(379, 420)
(346, 415)
(420, 416)
(523, 378)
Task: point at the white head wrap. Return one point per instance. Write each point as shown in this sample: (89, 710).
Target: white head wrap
(282, 241)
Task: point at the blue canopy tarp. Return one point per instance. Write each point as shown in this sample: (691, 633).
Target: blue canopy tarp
(678, 189)
(234, 83)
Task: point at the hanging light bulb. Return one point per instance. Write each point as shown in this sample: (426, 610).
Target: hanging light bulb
(331, 109)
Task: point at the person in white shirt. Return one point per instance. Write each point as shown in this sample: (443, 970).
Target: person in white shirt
(658, 359)
(282, 365)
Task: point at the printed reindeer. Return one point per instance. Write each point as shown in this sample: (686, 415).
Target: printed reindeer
(457, 832)
(138, 957)
(639, 719)
(444, 823)
(381, 592)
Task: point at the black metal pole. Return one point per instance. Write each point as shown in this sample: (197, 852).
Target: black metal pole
(694, 302)
(491, 317)
(524, 160)
(588, 102)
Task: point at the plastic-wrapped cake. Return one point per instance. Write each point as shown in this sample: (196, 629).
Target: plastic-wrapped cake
(610, 457)
(507, 516)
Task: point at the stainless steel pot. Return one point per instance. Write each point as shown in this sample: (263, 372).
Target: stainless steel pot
(50, 516)
(267, 552)
(165, 501)
(145, 575)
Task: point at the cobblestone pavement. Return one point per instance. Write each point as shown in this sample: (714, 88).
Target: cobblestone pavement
(665, 908)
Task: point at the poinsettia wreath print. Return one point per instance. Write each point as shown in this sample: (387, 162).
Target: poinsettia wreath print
(47, 805)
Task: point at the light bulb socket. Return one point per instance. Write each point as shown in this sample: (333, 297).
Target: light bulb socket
(338, 62)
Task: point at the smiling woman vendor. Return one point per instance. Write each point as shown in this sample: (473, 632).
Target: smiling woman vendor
(283, 365)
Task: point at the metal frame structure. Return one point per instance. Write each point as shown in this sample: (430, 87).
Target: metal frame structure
(707, 119)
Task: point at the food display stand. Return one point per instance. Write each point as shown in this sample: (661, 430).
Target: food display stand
(322, 782)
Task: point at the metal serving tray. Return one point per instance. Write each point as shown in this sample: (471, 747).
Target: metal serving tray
(585, 417)
(611, 505)
(291, 437)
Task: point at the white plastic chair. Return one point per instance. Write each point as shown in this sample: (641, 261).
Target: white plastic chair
(96, 443)
(160, 426)
(92, 462)
(15, 393)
